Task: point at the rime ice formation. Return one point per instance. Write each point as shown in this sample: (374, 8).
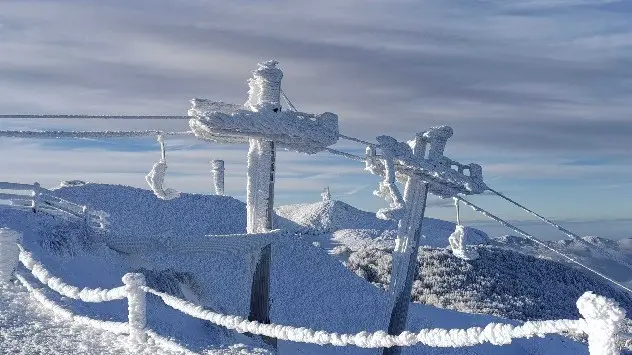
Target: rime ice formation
(493, 333)
(261, 117)
(258, 185)
(156, 177)
(391, 150)
(137, 306)
(218, 176)
(605, 319)
(446, 177)
(458, 247)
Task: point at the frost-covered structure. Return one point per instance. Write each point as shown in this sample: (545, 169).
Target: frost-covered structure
(261, 117)
(262, 124)
(218, 176)
(604, 321)
(446, 177)
(422, 167)
(458, 246)
(156, 177)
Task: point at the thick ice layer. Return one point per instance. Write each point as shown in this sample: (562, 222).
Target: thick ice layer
(458, 246)
(302, 132)
(156, 178)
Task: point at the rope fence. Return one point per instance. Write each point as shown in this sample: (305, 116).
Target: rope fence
(603, 319)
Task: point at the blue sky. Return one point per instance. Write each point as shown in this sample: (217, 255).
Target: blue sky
(538, 92)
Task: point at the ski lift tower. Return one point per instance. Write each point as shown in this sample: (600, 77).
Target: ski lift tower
(264, 126)
(422, 167)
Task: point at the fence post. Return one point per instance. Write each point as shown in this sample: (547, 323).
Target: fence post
(9, 253)
(136, 307)
(36, 196)
(218, 176)
(604, 320)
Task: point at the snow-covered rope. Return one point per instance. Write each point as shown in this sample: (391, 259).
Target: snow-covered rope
(58, 285)
(114, 327)
(494, 333)
(557, 226)
(87, 134)
(539, 242)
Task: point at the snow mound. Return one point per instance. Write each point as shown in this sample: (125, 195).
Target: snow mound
(337, 221)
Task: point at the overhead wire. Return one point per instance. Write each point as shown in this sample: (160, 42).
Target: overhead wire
(539, 242)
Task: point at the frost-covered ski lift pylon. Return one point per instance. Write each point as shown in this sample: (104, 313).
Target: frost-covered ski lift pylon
(422, 167)
(265, 127)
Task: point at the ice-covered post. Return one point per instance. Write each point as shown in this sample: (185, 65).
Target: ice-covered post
(264, 96)
(604, 320)
(36, 196)
(218, 176)
(136, 307)
(9, 253)
(404, 269)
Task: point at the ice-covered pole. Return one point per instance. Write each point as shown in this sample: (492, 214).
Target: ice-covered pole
(265, 97)
(36, 196)
(218, 176)
(9, 253)
(604, 320)
(136, 307)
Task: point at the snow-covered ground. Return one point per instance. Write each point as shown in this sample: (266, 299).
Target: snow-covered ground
(28, 328)
(310, 288)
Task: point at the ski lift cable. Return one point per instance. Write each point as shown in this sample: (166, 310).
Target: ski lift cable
(539, 242)
(557, 226)
(87, 134)
(112, 117)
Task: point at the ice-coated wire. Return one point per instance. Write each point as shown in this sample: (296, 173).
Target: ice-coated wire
(539, 242)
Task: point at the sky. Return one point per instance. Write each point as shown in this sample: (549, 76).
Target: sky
(538, 92)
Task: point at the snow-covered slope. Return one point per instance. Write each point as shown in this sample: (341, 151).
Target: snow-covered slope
(334, 223)
(501, 282)
(309, 287)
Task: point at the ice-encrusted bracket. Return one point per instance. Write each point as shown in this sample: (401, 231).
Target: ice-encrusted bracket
(446, 177)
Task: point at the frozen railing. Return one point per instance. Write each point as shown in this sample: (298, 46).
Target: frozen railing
(603, 319)
(39, 199)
